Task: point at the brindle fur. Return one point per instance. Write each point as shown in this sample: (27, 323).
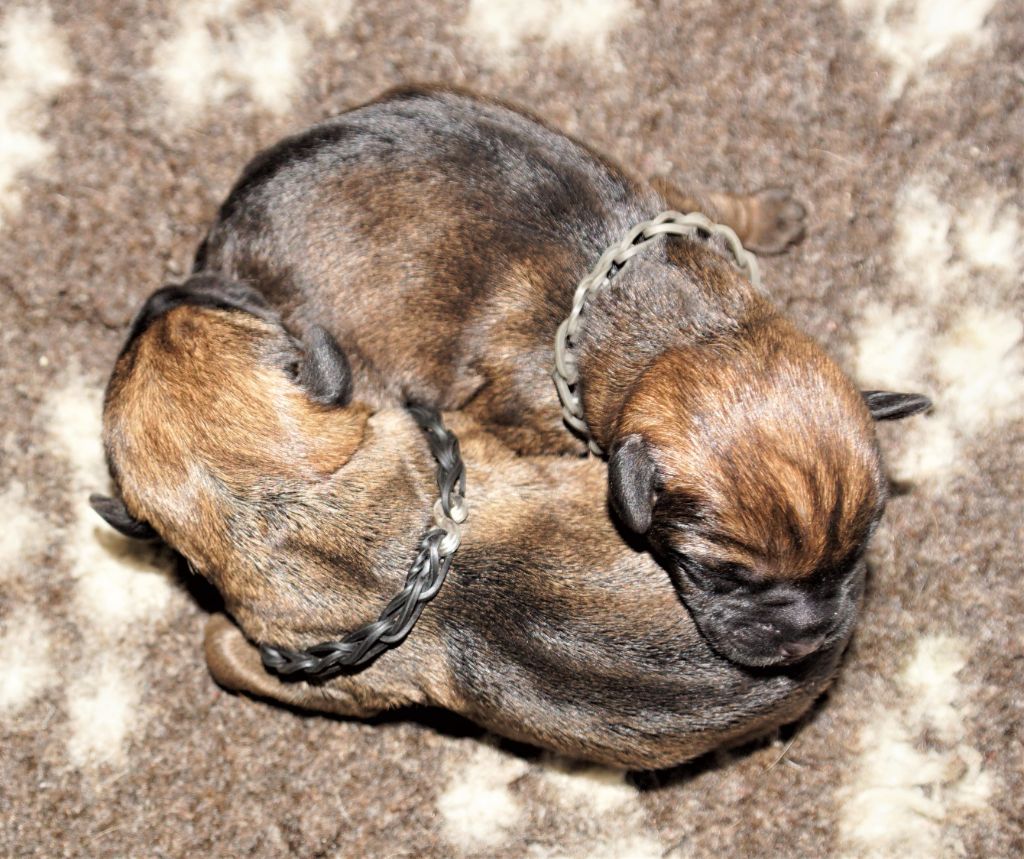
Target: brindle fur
(550, 628)
(439, 237)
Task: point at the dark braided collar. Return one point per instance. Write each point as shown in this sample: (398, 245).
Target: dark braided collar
(424, 579)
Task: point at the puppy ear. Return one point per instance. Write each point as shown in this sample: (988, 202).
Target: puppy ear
(890, 406)
(325, 374)
(235, 664)
(116, 515)
(633, 482)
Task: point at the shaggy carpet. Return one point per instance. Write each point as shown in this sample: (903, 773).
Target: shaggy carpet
(899, 122)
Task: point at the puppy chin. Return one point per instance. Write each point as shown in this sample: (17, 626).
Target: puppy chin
(756, 655)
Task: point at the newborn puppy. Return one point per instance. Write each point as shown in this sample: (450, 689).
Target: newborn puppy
(237, 445)
(440, 238)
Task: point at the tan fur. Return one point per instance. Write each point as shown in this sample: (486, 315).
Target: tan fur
(459, 310)
(550, 629)
(766, 222)
(785, 495)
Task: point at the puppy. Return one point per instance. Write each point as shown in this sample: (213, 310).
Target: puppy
(440, 237)
(238, 445)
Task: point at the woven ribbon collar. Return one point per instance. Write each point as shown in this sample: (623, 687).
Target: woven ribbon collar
(566, 374)
(424, 579)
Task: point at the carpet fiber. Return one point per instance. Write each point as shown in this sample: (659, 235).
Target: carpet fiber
(900, 124)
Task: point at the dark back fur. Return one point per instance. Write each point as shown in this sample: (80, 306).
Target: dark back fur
(440, 238)
(550, 629)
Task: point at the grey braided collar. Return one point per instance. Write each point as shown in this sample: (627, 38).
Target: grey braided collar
(424, 579)
(566, 374)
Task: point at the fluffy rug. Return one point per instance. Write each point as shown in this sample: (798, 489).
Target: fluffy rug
(899, 122)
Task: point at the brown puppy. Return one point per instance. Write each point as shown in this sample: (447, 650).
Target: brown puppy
(233, 441)
(440, 237)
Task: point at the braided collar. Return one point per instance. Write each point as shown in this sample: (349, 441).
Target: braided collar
(424, 579)
(566, 373)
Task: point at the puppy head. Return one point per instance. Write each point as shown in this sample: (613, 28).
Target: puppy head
(751, 464)
(220, 430)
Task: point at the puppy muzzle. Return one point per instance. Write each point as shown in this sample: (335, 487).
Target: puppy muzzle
(760, 637)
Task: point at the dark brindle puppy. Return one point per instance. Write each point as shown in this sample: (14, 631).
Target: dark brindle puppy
(440, 238)
(236, 444)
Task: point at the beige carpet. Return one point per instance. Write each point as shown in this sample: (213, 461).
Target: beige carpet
(899, 122)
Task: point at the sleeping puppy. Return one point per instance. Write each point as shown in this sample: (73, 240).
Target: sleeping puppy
(440, 237)
(239, 446)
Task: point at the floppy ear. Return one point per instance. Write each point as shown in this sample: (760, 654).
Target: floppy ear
(236, 664)
(325, 374)
(890, 406)
(633, 482)
(116, 515)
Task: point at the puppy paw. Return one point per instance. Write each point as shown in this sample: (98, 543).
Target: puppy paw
(777, 220)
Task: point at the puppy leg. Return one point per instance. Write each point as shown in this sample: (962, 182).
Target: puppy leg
(235, 664)
(767, 222)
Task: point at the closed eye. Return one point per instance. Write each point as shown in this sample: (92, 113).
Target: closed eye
(691, 569)
(842, 570)
(731, 577)
(718, 579)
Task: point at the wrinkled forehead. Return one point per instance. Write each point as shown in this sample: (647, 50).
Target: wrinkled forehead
(781, 522)
(781, 474)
